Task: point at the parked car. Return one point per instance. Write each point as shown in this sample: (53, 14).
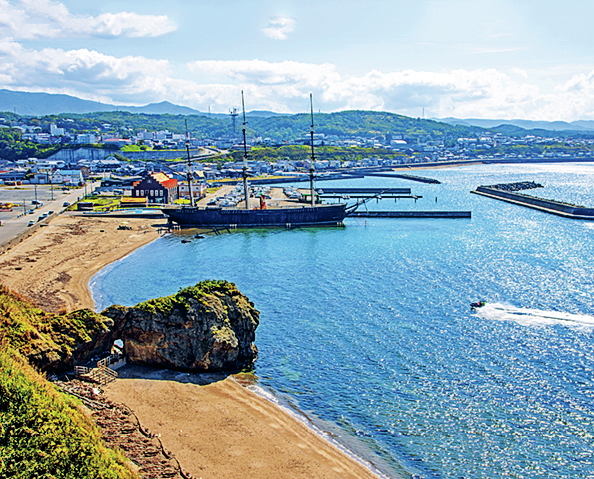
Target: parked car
(65, 204)
(31, 223)
(50, 212)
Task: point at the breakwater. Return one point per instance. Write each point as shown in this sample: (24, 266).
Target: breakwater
(410, 214)
(420, 179)
(366, 191)
(548, 206)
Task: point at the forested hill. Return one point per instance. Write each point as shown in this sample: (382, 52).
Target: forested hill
(356, 123)
(279, 128)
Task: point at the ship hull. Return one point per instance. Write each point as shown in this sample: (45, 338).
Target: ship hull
(321, 215)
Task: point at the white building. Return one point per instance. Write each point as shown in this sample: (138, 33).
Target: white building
(68, 177)
(55, 131)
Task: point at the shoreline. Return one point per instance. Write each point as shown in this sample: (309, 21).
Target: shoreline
(54, 267)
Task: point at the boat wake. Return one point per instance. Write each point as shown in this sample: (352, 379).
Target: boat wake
(530, 317)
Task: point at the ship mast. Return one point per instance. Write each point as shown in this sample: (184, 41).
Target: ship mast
(312, 167)
(245, 166)
(189, 166)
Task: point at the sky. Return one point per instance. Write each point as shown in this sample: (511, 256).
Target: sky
(504, 59)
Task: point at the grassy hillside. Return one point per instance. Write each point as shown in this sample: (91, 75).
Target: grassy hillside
(44, 434)
(47, 340)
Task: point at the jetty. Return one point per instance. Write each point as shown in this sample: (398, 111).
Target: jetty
(558, 208)
(368, 193)
(402, 176)
(410, 214)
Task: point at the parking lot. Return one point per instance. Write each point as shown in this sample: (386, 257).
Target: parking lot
(15, 222)
(23, 198)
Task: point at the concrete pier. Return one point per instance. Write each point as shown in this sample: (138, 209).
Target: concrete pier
(419, 179)
(410, 214)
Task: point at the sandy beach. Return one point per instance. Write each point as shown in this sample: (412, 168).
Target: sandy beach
(223, 430)
(217, 430)
(54, 266)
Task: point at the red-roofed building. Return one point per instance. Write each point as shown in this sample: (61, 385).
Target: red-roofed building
(157, 187)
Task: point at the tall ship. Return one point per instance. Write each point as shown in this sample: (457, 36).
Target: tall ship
(262, 215)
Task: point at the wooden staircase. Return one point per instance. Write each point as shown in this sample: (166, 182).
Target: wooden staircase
(101, 374)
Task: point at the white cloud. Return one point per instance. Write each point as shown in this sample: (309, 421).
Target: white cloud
(279, 27)
(284, 86)
(86, 73)
(37, 19)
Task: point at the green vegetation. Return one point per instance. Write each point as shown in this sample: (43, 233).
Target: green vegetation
(180, 300)
(300, 153)
(103, 203)
(13, 147)
(30, 330)
(283, 127)
(280, 128)
(135, 148)
(365, 124)
(43, 432)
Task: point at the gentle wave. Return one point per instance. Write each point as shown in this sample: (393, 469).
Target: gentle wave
(307, 421)
(532, 316)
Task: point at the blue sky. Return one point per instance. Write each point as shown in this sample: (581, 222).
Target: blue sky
(468, 59)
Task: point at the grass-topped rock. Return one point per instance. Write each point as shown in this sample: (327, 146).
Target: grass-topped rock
(207, 327)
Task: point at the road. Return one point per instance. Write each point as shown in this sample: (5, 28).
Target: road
(12, 225)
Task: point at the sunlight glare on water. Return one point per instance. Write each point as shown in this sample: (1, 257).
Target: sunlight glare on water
(368, 328)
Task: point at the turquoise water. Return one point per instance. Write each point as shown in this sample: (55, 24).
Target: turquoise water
(367, 330)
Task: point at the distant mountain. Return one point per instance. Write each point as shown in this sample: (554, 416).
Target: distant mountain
(40, 104)
(162, 108)
(587, 124)
(580, 125)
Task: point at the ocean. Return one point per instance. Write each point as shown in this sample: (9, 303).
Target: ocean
(366, 330)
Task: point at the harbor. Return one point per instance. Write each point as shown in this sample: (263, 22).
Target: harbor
(384, 306)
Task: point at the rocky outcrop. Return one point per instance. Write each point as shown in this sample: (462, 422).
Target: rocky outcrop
(207, 327)
(53, 342)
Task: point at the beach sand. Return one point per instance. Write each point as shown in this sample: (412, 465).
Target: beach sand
(225, 431)
(54, 266)
(219, 430)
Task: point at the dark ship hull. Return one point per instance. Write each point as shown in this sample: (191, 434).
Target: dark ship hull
(321, 215)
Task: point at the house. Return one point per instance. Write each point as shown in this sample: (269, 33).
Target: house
(157, 187)
(71, 177)
(198, 189)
